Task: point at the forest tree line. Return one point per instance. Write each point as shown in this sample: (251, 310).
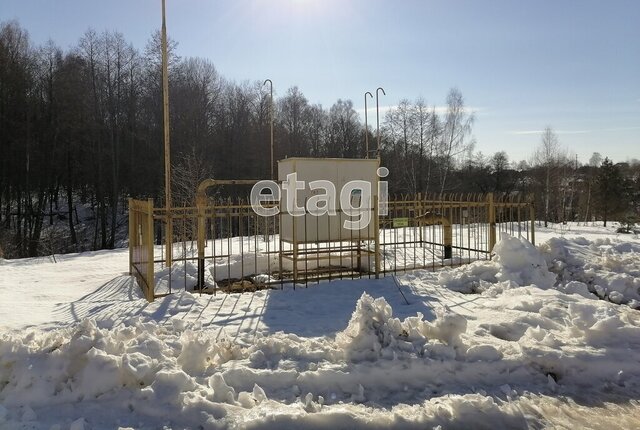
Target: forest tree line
(83, 128)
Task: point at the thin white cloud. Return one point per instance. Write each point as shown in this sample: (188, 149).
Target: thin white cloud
(525, 132)
(620, 129)
(440, 110)
(561, 132)
(575, 131)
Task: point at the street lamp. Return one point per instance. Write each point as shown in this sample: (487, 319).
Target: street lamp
(378, 120)
(167, 147)
(366, 127)
(270, 118)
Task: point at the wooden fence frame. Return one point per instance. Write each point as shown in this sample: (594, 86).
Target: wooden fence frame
(141, 255)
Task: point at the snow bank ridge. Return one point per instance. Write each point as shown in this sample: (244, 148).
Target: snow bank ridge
(373, 333)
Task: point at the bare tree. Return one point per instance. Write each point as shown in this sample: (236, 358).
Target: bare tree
(401, 124)
(499, 166)
(594, 163)
(547, 156)
(291, 115)
(343, 132)
(456, 130)
(421, 119)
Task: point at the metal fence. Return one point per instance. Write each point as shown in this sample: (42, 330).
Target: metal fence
(223, 245)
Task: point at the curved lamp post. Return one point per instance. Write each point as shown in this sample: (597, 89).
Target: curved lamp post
(378, 120)
(270, 118)
(366, 127)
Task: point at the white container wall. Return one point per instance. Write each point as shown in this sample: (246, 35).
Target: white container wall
(330, 228)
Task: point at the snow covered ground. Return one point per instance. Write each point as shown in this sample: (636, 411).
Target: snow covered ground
(535, 338)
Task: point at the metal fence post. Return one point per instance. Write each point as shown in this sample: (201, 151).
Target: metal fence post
(532, 217)
(201, 201)
(492, 221)
(150, 256)
(376, 229)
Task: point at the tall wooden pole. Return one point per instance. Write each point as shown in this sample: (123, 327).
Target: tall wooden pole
(366, 126)
(378, 121)
(167, 147)
(270, 119)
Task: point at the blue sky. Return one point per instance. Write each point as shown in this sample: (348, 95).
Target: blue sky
(521, 65)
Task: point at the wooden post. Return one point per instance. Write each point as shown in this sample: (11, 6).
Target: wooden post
(492, 221)
(150, 276)
(448, 239)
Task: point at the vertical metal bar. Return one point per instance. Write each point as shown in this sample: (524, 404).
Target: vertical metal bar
(200, 210)
(241, 240)
(255, 242)
(511, 219)
(395, 236)
(184, 243)
(413, 222)
(532, 218)
(268, 244)
(461, 227)
(469, 219)
(149, 245)
(329, 240)
(491, 221)
(306, 248)
(280, 249)
(214, 222)
(376, 229)
(317, 249)
(519, 222)
(229, 243)
(295, 251)
(404, 234)
(353, 253)
(340, 270)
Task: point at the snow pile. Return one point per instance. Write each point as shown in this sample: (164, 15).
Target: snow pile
(583, 342)
(604, 268)
(599, 269)
(165, 376)
(181, 276)
(520, 262)
(424, 372)
(515, 263)
(373, 333)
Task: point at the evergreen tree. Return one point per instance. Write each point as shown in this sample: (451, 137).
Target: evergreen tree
(610, 190)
